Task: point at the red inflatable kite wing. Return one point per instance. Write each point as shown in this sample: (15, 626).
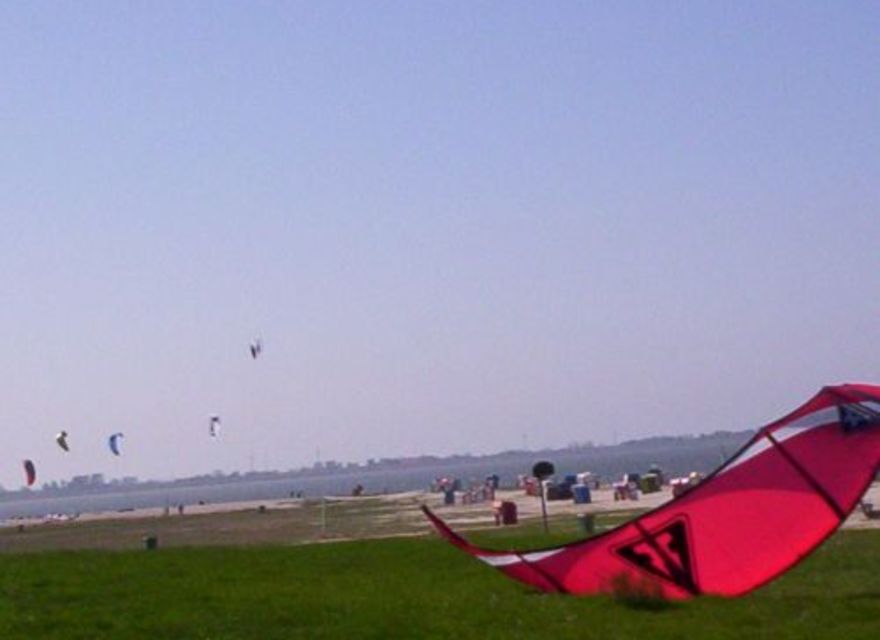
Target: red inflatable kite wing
(786, 491)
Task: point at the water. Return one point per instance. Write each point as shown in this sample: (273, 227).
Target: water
(677, 457)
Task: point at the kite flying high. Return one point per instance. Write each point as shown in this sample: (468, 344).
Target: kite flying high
(770, 505)
(61, 439)
(114, 441)
(214, 426)
(30, 472)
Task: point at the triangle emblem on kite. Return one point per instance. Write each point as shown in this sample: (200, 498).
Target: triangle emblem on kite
(856, 417)
(664, 553)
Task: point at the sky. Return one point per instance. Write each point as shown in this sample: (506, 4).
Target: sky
(457, 226)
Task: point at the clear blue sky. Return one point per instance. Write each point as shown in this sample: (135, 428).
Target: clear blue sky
(452, 223)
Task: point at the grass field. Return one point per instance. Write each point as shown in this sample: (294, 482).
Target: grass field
(403, 588)
(309, 522)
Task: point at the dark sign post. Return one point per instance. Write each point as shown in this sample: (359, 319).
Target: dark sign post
(543, 470)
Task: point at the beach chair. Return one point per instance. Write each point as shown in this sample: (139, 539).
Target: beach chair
(870, 512)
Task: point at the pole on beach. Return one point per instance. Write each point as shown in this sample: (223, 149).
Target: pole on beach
(323, 517)
(543, 470)
(544, 506)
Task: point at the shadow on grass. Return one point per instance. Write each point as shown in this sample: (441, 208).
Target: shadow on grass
(631, 594)
(640, 595)
(655, 605)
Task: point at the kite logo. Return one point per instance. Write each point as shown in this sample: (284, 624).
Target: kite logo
(664, 553)
(855, 417)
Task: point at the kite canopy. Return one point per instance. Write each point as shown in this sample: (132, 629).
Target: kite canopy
(30, 472)
(114, 442)
(777, 499)
(61, 439)
(256, 348)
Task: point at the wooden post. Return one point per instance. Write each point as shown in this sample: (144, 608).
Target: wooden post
(544, 507)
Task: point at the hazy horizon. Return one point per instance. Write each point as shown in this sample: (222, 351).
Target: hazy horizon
(456, 227)
(341, 466)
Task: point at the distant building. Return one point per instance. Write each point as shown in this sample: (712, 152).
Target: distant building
(93, 480)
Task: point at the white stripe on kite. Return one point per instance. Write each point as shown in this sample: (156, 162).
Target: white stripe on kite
(506, 560)
(794, 428)
(500, 561)
(539, 555)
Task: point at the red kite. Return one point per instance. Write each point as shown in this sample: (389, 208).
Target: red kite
(765, 509)
(30, 472)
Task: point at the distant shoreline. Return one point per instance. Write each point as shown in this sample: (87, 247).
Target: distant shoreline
(676, 455)
(301, 521)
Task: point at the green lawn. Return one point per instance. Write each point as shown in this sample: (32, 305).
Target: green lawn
(402, 588)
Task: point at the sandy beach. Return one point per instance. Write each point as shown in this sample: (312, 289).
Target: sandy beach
(299, 521)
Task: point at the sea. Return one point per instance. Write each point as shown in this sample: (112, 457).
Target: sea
(676, 456)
